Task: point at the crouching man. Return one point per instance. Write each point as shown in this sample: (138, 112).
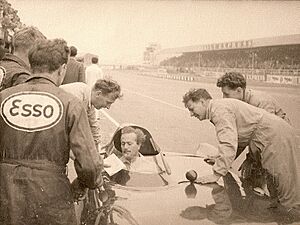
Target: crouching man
(267, 135)
(40, 123)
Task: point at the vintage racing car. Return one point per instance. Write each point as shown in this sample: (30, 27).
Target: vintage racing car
(168, 197)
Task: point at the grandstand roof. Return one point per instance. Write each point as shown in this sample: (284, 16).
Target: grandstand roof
(293, 39)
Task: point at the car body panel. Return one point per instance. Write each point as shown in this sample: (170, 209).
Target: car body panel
(165, 204)
(167, 197)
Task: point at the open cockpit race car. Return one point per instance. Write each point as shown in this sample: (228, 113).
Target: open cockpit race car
(170, 195)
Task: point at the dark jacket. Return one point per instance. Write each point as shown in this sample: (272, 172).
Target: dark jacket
(39, 124)
(16, 71)
(75, 72)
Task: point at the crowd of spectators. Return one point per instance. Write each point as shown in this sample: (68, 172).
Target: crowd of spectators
(279, 57)
(9, 23)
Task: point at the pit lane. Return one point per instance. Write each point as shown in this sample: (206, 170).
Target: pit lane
(156, 104)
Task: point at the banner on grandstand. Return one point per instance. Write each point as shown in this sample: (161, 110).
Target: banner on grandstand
(282, 79)
(256, 77)
(228, 45)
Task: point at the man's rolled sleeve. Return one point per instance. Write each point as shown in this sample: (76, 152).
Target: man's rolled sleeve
(94, 125)
(225, 125)
(88, 163)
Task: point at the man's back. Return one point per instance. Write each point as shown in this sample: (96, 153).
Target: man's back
(264, 101)
(16, 71)
(238, 115)
(245, 116)
(39, 124)
(44, 129)
(93, 73)
(74, 72)
(80, 90)
(267, 135)
(83, 92)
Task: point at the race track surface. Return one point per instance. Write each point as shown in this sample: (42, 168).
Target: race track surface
(156, 104)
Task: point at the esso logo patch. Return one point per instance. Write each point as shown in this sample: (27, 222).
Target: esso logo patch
(31, 111)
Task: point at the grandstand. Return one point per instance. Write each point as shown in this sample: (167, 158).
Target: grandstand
(273, 59)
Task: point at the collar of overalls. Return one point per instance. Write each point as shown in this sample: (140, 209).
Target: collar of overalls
(42, 76)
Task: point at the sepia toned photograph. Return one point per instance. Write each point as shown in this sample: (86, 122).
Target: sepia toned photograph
(146, 112)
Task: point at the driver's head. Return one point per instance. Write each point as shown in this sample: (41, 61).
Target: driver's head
(131, 141)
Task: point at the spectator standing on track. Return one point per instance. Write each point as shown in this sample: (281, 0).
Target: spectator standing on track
(75, 70)
(101, 95)
(40, 123)
(93, 72)
(268, 136)
(233, 85)
(17, 65)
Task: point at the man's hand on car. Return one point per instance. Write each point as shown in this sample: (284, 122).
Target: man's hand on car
(212, 178)
(211, 159)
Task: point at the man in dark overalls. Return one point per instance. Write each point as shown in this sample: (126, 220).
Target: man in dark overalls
(16, 64)
(39, 124)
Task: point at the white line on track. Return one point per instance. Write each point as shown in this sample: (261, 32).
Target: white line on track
(110, 118)
(145, 96)
(157, 100)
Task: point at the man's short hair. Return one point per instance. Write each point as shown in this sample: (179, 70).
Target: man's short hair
(233, 80)
(140, 136)
(107, 86)
(94, 60)
(26, 37)
(73, 51)
(48, 55)
(195, 95)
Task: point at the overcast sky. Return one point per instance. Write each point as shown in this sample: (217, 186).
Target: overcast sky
(119, 31)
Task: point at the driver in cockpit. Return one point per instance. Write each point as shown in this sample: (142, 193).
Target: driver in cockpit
(131, 141)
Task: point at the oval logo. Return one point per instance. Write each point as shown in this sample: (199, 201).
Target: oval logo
(2, 74)
(31, 111)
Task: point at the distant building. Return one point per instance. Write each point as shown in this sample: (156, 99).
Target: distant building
(85, 58)
(150, 54)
